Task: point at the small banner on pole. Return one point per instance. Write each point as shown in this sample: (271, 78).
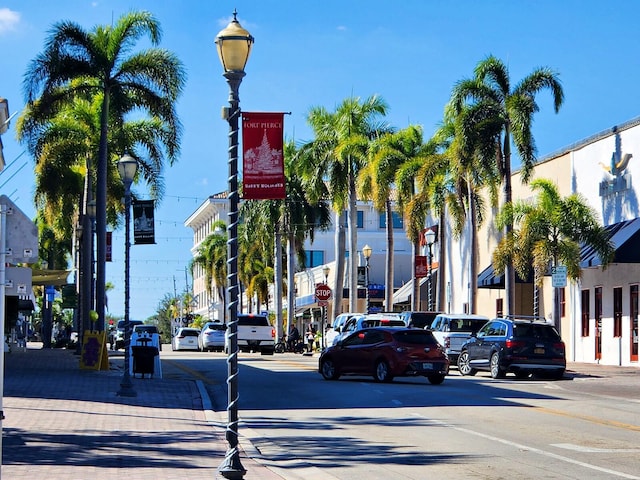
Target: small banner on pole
(143, 226)
(109, 252)
(263, 159)
(421, 266)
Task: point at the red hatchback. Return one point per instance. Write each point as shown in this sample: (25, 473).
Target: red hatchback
(386, 353)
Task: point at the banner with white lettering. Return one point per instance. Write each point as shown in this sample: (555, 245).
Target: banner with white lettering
(143, 225)
(263, 160)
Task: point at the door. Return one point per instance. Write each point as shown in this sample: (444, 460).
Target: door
(598, 314)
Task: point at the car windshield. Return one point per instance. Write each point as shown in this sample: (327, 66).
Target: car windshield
(466, 325)
(190, 333)
(415, 337)
(545, 332)
(253, 320)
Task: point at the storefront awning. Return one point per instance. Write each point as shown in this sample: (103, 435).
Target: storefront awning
(488, 279)
(404, 293)
(625, 237)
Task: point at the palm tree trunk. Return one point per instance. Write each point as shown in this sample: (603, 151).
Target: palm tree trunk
(415, 297)
(353, 246)
(473, 267)
(388, 287)
(340, 240)
(509, 274)
(442, 258)
(101, 212)
(277, 266)
(291, 290)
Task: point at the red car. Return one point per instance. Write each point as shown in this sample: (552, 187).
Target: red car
(386, 353)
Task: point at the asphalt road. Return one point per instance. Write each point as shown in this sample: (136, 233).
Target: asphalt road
(583, 427)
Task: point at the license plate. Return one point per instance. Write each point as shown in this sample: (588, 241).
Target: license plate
(427, 366)
(538, 351)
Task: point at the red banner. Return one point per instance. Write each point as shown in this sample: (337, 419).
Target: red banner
(263, 160)
(421, 266)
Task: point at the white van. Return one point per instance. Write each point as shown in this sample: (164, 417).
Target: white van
(453, 329)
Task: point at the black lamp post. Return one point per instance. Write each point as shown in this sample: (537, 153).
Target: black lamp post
(430, 236)
(325, 272)
(366, 251)
(127, 167)
(234, 46)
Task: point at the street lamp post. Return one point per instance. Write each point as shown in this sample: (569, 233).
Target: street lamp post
(430, 236)
(234, 46)
(325, 272)
(127, 167)
(366, 251)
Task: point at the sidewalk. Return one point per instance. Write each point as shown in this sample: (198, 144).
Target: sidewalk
(62, 422)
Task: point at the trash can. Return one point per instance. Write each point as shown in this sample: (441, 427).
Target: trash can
(143, 359)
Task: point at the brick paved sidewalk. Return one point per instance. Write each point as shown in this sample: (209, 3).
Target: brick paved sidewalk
(62, 422)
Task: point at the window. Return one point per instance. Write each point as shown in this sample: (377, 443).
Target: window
(562, 301)
(499, 307)
(585, 313)
(396, 219)
(359, 219)
(617, 312)
(313, 258)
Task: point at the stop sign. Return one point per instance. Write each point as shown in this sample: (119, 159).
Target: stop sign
(323, 292)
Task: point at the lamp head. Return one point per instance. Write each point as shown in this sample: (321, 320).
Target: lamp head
(366, 251)
(234, 46)
(91, 209)
(430, 236)
(127, 168)
(326, 270)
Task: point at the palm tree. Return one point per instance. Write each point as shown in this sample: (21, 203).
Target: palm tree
(377, 181)
(550, 231)
(512, 108)
(331, 163)
(212, 258)
(85, 64)
(471, 168)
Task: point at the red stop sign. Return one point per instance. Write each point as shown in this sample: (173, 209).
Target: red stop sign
(323, 292)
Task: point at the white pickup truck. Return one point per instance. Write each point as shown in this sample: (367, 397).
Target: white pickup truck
(453, 329)
(255, 333)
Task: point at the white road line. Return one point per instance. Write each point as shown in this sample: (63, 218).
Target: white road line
(534, 450)
(582, 448)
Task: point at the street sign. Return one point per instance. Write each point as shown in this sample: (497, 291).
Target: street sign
(323, 292)
(559, 276)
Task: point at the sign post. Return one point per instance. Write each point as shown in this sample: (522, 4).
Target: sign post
(323, 294)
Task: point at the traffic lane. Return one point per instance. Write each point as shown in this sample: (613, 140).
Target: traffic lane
(284, 437)
(394, 440)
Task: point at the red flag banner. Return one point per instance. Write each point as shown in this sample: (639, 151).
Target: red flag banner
(421, 266)
(263, 160)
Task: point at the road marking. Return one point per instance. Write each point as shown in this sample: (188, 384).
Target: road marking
(581, 448)
(599, 421)
(533, 449)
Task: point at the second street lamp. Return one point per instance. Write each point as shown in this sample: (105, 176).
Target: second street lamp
(234, 46)
(430, 236)
(366, 251)
(127, 167)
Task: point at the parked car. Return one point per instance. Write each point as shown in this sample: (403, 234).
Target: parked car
(118, 338)
(255, 334)
(521, 346)
(334, 330)
(453, 329)
(186, 338)
(418, 319)
(360, 321)
(386, 353)
(212, 337)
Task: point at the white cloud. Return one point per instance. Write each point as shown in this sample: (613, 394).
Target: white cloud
(8, 20)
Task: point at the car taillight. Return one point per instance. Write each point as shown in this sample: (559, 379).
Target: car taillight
(559, 346)
(273, 333)
(514, 343)
(447, 342)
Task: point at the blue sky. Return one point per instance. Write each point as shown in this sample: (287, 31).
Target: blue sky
(311, 53)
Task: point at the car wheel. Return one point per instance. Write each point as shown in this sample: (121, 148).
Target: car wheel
(329, 370)
(436, 379)
(464, 364)
(381, 372)
(496, 371)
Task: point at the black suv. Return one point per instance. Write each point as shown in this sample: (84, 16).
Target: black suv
(516, 345)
